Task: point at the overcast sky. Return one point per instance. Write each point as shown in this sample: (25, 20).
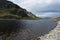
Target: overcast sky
(41, 8)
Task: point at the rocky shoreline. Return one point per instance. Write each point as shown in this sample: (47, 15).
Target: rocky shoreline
(53, 35)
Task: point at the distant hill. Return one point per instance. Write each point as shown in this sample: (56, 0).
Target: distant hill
(9, 10)
(58, 18)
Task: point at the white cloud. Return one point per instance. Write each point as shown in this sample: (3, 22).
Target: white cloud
(49, 14)
(36, 6)
(45, 15)
(29, 4)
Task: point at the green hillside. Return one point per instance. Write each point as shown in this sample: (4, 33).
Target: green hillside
(9, 10)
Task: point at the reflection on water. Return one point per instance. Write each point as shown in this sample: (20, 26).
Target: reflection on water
(7, 27)
(29, 29)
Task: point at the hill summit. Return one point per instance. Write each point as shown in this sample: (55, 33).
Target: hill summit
(9, 10)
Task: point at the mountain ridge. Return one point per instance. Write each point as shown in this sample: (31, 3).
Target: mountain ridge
(10, 10)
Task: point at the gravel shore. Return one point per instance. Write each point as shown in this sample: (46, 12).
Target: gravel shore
(53, 35)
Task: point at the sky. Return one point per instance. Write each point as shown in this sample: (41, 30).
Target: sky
(40, 8)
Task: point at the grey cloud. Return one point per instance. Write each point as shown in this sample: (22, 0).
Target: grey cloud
(37, 9)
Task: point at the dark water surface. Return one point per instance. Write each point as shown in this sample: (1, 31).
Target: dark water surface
(32, 29)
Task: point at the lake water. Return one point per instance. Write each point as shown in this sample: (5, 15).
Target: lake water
(30, 29)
